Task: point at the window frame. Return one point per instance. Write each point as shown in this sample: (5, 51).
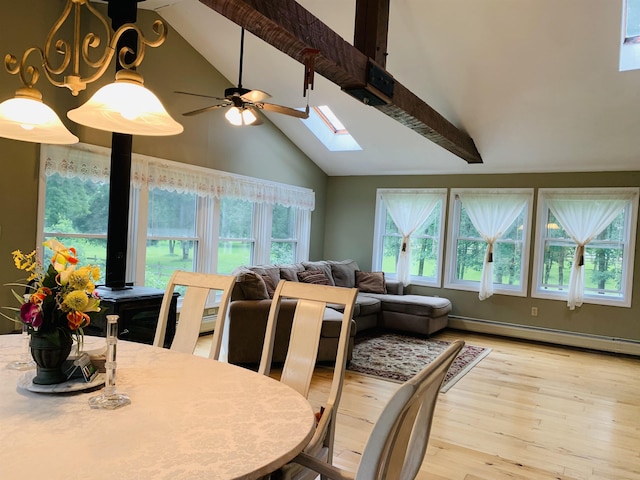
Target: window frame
(455, 205)
(379, 234)
(631, 219)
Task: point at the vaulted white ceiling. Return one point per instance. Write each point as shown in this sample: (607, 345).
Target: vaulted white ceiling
(535, 83)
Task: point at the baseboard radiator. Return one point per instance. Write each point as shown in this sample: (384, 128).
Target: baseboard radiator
(560, 337)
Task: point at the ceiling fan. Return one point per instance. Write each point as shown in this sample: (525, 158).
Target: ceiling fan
(243, 101)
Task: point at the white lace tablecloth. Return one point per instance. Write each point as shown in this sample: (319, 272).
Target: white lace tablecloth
(189, 418)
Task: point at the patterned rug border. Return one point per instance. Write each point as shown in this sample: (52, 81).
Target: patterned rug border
(458, 370)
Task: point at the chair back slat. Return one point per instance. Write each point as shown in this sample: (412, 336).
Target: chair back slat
(303, 346)
(198, 288)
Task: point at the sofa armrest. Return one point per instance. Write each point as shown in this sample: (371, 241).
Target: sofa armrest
(394, 287)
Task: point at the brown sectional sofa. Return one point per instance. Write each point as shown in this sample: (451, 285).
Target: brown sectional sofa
(379, 304)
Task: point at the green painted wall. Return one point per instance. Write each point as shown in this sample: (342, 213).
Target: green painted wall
(208, 141)
(349, 233)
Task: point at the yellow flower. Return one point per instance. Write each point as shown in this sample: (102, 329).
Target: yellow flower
(79, 279)
(28, 263)
(76, 300)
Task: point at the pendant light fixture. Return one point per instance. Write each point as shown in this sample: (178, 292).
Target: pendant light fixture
(26, 118)
(124, 106)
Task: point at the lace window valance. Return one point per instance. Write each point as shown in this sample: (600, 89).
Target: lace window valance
(93, 162)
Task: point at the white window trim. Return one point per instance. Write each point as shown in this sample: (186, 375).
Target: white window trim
(379, 229)
(629, 252)
(450, 280)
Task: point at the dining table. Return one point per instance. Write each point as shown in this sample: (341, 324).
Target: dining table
(189, 418)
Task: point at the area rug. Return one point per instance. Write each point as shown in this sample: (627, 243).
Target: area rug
(399, 357)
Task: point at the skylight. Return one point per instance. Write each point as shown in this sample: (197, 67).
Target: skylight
(327, 128)
(632, 20)
(630, 37)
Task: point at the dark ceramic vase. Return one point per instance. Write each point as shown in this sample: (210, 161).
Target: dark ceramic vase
(49, 358)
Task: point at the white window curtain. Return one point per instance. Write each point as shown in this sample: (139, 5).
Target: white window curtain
(93, 162)
(491, 215)
(583, 216)
(408, 211)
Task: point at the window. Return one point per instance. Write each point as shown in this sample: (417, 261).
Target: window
(283, 235)
(425, 242)
(172, 241)
(237, 242)
(477, 218)
(181, 216)
(75, 214)
(607, 261)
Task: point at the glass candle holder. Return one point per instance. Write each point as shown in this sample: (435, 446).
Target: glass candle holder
(25, 362)
(110, 398)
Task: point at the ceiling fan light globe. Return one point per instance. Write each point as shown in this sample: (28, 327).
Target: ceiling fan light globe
(248, 117)
(239, 117)
(234, 116)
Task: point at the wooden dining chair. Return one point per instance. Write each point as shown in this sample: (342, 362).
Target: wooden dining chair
(198, 287)
(301, 357)
(398, 442)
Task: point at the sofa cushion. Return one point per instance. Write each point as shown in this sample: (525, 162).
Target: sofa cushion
(331, 324)
(419, 305)
(367, 305)
(344, 273)
(370, 282)
(252, 285)
(315, 277)
(289, 272)
(323, 267)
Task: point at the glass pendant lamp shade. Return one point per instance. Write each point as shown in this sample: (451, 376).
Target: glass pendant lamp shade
(240, 117)
(126, 106)
(26, 118)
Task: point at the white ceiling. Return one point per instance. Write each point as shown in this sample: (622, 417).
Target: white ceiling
(535, 83)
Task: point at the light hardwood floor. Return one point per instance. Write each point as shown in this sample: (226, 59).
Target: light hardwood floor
(526, 411)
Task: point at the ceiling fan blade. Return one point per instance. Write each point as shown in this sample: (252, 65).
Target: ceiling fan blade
(255, 96)
(292, 112)
(205, 109)
(198, 95)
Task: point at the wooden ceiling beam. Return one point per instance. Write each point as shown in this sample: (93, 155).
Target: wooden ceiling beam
(371, 29)
(290, 28)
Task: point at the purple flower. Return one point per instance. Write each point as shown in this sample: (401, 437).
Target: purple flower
(31, 314)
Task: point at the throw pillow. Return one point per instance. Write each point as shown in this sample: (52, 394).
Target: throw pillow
(322, 266)
(370, 282)
(288, 272)
(344, 273)
(313, 276)
(271, 286)
(252, 286)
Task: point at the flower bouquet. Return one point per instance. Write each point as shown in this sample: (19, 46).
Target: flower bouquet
(59, 300)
